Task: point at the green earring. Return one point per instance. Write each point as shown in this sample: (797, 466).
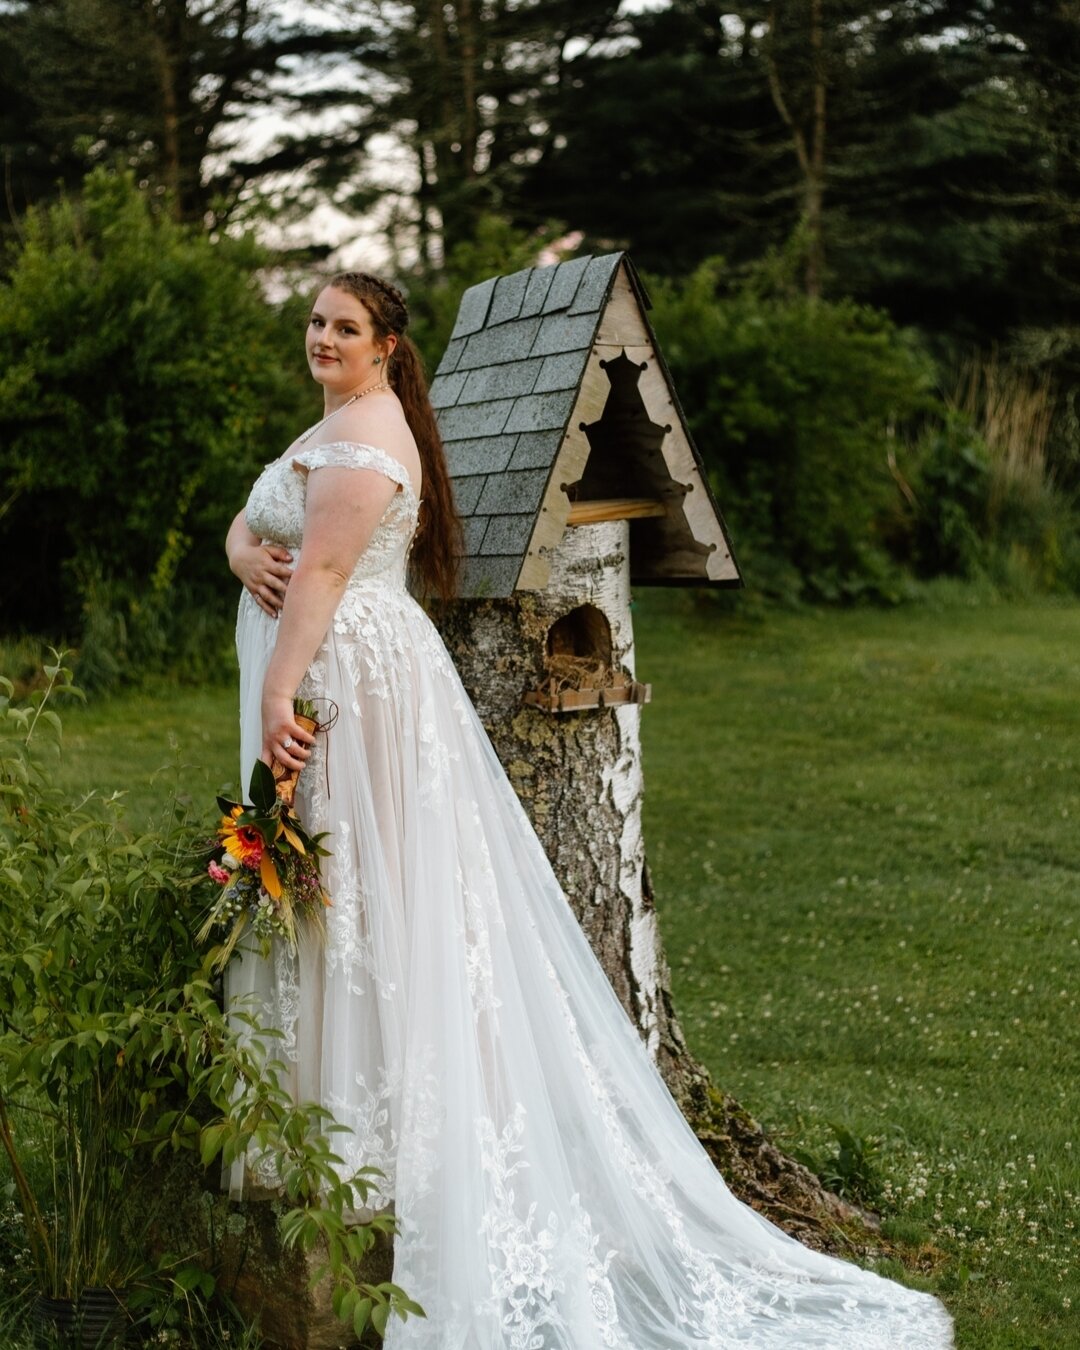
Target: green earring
(377, 361)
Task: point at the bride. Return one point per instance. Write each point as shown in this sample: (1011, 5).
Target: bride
(549, 1193)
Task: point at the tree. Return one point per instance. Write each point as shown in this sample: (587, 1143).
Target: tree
(464, 86)
(163, 85)
(892, 142)
(167, 84)
(145, 378)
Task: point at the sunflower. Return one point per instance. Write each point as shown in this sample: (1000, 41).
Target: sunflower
(243, 842)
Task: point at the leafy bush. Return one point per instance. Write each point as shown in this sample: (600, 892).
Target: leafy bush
(114, 1048)
(852, 1168)
(792, 403)
(145, 378)
(970, 513)
(950, 492)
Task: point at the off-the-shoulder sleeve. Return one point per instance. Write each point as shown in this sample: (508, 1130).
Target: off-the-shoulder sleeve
(353, 455)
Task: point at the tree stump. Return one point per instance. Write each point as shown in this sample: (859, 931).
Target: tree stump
(579, 776)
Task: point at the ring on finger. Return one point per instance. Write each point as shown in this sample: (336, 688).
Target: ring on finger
(287, 742)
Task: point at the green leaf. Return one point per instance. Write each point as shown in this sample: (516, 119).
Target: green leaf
(210, 1142)
(188, 1278)
(362, 1312)
(262, 790)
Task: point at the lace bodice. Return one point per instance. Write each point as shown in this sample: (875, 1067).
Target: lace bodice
(275, 506)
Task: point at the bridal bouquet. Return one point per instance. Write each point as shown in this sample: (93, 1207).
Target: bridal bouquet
(265, 865)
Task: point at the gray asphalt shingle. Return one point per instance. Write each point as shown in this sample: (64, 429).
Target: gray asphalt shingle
(508, 342)
(473, 310)
(560, 333)
(593, 289)
(480, 454)
(508, 534)
(512, 493)
(445, 389)
(538, 412)
(466, 492)
(474, 529)
(509, 293)
(560, 372)
(540, 279)
(475, 419)
(564, 287)
(502, 381)
(451, 356)
(490, 576)
(536, 449)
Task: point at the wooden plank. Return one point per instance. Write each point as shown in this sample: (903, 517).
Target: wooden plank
(682, 466)
(578, 700)
(614, 508)
(621, 323)
(687, 540)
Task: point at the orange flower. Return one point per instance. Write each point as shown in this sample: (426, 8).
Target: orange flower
(242, 842)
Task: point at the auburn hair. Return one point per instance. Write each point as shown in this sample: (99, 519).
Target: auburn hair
(438, 545)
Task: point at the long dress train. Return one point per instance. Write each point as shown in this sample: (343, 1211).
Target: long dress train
(549, 1192)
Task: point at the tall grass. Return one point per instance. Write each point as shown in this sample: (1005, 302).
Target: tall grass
(1013, 410)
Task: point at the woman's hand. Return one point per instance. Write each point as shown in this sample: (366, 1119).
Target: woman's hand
(264, 570)
(284, 739)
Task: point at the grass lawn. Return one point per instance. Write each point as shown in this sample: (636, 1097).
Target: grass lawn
(862, 834)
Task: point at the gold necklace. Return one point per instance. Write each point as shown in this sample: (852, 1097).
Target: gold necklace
(362, 394)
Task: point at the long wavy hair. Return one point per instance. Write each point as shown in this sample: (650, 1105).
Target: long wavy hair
(438, 545)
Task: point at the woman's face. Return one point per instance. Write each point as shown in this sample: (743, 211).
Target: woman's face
(341, 344)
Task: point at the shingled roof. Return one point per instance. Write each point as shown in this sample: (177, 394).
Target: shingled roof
(504, 393)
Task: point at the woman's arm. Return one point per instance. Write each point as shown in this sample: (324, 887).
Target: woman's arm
(344, 507)
(263, 568)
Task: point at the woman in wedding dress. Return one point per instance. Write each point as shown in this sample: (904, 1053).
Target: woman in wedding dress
(549, 1193)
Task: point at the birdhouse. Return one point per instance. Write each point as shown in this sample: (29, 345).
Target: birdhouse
(557, 410)
(575, 476)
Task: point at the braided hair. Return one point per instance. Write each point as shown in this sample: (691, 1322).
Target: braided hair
(438, 545)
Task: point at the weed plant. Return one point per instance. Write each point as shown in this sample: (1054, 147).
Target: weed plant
(115, 1051)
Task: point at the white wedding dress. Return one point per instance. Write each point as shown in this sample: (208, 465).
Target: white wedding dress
(549, 1192)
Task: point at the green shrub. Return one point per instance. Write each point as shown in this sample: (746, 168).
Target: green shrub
(145, 380)
(794, 403)
(950, 487)
(971, 514)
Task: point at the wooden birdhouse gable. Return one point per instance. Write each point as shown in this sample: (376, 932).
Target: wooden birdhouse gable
(557, 410)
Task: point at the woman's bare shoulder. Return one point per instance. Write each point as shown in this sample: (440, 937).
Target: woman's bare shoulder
(380, 421)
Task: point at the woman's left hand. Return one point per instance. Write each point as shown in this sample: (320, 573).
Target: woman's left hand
(284, 739)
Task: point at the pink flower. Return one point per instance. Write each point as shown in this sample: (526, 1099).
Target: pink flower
(218, 873)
